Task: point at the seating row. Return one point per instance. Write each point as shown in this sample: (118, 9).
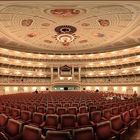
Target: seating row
(115, 129)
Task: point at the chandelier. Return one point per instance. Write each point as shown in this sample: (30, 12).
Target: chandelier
(65, 34)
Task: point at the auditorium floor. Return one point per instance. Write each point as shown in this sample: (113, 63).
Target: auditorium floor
(135, 135)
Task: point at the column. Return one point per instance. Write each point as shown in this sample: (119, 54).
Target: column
(129, 90)
(110, 89)
(58, 73)
(51, 74)
(2, 91)
(72, 73)
(20, 89)
(79, 74)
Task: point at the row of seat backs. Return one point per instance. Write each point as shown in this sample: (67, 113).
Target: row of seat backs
(63, 110)
(68, 119)
(103, 131)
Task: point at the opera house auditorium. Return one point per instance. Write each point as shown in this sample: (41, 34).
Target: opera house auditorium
(69, 70)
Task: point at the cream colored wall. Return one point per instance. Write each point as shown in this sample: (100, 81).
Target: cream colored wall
(19, 89)
(117, 89)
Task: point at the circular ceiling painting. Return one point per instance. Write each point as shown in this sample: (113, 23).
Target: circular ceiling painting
(64, 27)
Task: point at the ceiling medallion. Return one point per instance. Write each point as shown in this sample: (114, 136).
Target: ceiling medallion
(104, 22)
(26, 22)
(65, 12)
(65, 39)
(65, 34)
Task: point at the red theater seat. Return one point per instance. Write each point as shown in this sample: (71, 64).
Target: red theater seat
(32, 108)
(96, 117)
(51, 110)
(66, 105)
(115, 111)
(72, 110)
(2, 108)
(41, 109)
(83, 114)
(100, 107)
(17, 106)
(31, 133)
(15, 113)
(3, 121)
(83, 109)
(57, 135)
(25, 116)
(134, 115)
(105, 132)
(75, 105)
(8, 111)
(51, 122)
(107, 114)
(50, 105)
(23, 107)
(138, 110)
(58, 105)
(68, 122)
(83, 120)
(92, 108)
(131, 124)
(61, 110)
(13, 129)
(122, 108)
(86, 133)
(37, 119)
(118, 125)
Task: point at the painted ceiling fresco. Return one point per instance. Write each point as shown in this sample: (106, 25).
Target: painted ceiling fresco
(67, 27)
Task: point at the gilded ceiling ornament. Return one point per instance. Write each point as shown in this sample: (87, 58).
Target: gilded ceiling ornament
(47, 41)
(85, 24)
(65, 12)
(83, 41)
(26, 22)
(32, 35)
(45, 24)
(104, 22)
(65, 34)
(99, 35)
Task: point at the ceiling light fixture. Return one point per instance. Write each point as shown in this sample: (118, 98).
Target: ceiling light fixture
(65, 34)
